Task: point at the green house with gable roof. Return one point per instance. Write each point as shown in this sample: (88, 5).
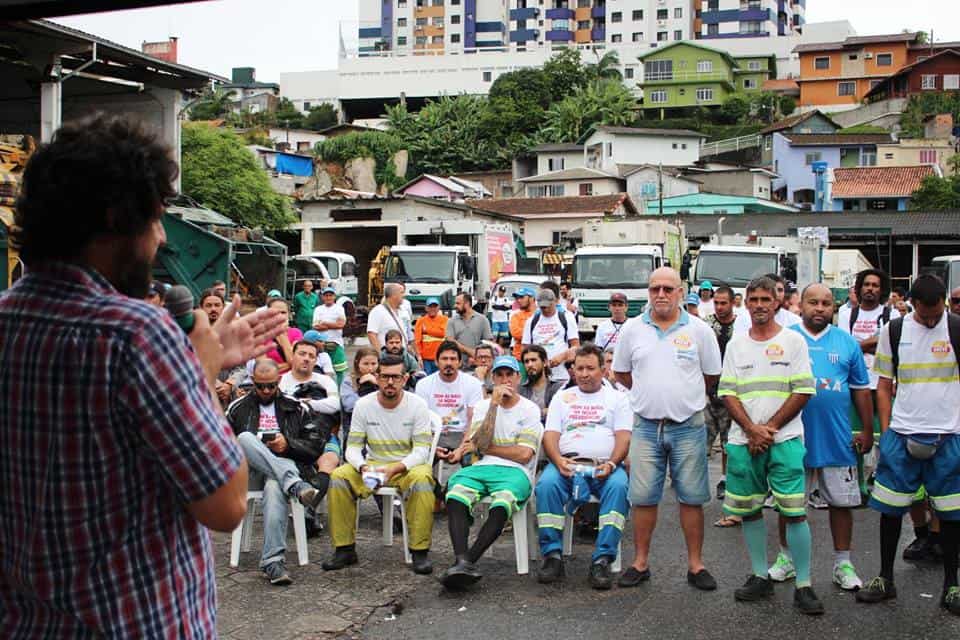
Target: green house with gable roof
(684, 75)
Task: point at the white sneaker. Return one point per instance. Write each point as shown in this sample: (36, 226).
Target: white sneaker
(845, 576)
(816, 501)
(782, 569)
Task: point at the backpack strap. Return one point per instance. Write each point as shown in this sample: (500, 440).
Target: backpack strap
(896, 330)
(853, 317)
(885, 316)
(953, 328)
(536, 319)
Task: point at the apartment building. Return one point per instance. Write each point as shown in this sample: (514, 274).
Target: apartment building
(721, 19)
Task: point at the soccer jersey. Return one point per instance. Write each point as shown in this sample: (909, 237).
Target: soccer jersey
(928, 389)
(450, 400)
(837, 368)
(586, 422)
(762, 375)
(517, 426)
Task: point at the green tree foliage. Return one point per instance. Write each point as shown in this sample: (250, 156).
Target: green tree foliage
(379, 145)
(927, 104)
(221, 174)
(213, 104)
(321, 117)
(604, 102)
(863, 129)
(606, 67)
(954, 164)
(735, 108)
(787, 105)
(287, 115)
(937, 194)
(565, 73)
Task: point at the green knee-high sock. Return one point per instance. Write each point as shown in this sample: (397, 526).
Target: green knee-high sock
(755, 533)
(800, 542)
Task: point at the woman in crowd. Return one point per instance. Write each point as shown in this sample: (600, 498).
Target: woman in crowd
(362, 381)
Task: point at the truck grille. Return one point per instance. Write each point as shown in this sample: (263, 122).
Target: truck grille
(599, 308)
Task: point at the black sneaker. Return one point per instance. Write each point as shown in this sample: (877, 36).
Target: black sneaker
(702, 580)
(807, 601)
(277, 574)
(461, 575)
(721, 489)
(551, 570)
(342, 557)
(755, 588)
(600, 576)
(877, 590)
(950, 600)
(421, 563)
(918, 550)
(632, 577)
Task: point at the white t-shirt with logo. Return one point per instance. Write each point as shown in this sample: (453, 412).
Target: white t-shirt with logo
(608, 333)
(868, 325)
(382, 319)
(333, 313)
(268, 419)
(586, 422)
(517, 426)
(450, 400)
(549, 334)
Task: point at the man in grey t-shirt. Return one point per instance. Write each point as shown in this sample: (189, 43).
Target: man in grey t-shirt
(468, 328)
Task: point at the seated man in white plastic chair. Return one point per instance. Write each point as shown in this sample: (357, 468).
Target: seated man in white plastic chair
(505, 436)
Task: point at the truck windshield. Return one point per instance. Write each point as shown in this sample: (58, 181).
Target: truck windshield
(332, 265)
(612, 271)
(734, 269)
(420, 267)
(953, 278)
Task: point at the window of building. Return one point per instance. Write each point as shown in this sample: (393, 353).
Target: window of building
(421, 22)
(704, 66)
(658, 97)
(854, 56)
(928, 82)
(538, 191)
(455, 2)
(674, 145)
(637, 36)
(704, 94)
(678, 13)
(821, 63)
(928, 156)
(455, 19)
(637, 15)
(506, 191)
(437, 40)
(884, 59)
(767, 143)
(847, 88)
(609, 149)
(558, 237)
(402, 3)
(306, 105)
(455, 38)
(438, 21)
(487, 76)
(754, 65)
(586, 189)
(655, 70)
(713, 5)
(628, 73)
(951, 82)
(810, 158)
(401, 22)
(663, 14)
(616, 16)
(874, 83)
(876, 205)
(713, 29)
(868, 158)
(617, 37)
(662, 36)
(560, 25)
(583, 24)
(888, 156)
(749, 83)
(421, 40)
(401, 41)
(555, 190)
(678, 34)
(555, 164)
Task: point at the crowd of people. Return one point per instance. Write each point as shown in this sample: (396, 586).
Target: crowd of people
(146, 435)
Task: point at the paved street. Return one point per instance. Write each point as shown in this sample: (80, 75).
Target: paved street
(381, 599)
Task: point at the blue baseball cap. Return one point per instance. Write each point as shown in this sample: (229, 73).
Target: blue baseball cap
(524, 291)
(506, 361)
(433, 301)
(314, 336)
(274, 293)
(329, 290)
(693, 299)
(706, 284)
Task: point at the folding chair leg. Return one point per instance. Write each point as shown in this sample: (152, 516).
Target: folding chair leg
(520, 540)
(247, 538)
(533, 543)
(407, 556)
(299, 531)
(617, 564)
(387, 523)
(235, 540)
(568, 535)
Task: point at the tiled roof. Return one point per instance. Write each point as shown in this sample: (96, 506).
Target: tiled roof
(640, 131)
(889, 81)
(630, 169)
(549, 206)
(855, 41)
(780, 85)
(576, 173)
(879, 182)
(836, 139)
(563, 146)
(793, 121)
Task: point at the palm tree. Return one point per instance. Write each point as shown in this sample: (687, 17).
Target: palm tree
(607, 67)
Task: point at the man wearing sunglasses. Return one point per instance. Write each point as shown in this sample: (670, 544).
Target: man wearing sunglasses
(282, 448)
(668, 358)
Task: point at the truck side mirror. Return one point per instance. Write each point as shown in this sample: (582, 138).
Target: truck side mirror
(468, 267)
(666, 263)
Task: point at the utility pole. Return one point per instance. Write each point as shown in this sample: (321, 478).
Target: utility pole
(660, 185)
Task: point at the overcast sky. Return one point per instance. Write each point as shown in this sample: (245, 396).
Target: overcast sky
(302, 35)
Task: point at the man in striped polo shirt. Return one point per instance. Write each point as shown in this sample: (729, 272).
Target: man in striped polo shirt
(920, 445)
(765, 383)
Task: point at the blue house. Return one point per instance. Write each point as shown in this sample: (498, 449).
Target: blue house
(794, 155)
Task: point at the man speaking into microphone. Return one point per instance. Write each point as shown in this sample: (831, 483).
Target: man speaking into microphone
(115, 461)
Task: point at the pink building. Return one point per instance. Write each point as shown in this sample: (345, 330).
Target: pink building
(451, 189)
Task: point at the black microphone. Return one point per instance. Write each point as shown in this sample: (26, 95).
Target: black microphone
(179, 302)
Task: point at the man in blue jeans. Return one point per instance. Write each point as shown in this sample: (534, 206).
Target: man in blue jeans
(667, 359)
(587, 425)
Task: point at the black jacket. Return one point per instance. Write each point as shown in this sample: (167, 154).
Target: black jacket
(305, 439)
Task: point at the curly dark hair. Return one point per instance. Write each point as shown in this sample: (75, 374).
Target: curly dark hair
(881, 275)
(102, 174)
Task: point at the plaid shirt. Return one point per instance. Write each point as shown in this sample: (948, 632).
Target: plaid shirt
(108, 431)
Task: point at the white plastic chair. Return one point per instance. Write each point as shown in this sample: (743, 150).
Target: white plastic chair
(393, 498)
(525, 545)
(241, 537)
(568, 537)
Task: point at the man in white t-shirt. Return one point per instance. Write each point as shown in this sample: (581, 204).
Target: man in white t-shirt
(500, 306)
(667, 359)
(705, 306)
(547, 329)
(865, 320)
(765, 384)
(452, 395)
(590, 425)
(608, 331)
(783, 317)
(386, 316)
(330, 319)
(504, 440)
